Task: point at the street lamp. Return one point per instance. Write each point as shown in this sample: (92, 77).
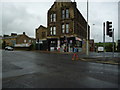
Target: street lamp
(93, 30)
(87, 43)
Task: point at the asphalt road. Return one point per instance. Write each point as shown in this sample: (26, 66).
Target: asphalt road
(31, 69)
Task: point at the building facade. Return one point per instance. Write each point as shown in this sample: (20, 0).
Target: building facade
(24, 39)
(41, 38)
(15, 40)
(9, 40)
(66, 27)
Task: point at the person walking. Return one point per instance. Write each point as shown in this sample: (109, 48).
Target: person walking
(75, 56)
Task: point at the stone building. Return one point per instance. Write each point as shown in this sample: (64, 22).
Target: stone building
(66, 27)
(9, 40)
(20, 40)
(41, 38)
(24, 39)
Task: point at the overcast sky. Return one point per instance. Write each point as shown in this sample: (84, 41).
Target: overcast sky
(28, 15)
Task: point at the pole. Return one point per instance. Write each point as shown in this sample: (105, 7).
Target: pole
(104, 36)
(87, 46)
(113, 41)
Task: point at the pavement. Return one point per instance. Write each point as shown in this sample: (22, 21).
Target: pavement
(107, 58)
(34, 69)
(113, 61)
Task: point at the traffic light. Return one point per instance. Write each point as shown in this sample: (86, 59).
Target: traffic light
(109, 28)
(110, 34)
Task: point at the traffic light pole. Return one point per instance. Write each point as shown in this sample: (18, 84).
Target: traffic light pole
(113, 40)
(104, 36)
(110, 33)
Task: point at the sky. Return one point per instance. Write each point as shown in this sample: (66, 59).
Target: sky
(25, 16)
(119, 20)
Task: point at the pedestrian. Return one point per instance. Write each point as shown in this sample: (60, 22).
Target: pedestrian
(75, 56)
(58, 49)
(65, 49)
(62, 48)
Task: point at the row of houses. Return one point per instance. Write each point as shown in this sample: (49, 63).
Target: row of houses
(20, 41)
(66, 28)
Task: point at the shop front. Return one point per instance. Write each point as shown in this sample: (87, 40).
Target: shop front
(52, 44)
(68, 43)
(64, 44)
(42, 45)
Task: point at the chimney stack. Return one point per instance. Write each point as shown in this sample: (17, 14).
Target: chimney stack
(23, 33)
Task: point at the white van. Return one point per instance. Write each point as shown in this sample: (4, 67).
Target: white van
(100, 49)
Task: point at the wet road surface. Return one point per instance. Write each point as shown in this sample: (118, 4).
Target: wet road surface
(30, 69)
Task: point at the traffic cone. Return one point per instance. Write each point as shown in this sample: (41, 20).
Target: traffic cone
(76, 58)
(73, 59)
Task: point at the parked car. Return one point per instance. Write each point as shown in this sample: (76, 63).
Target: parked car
(9, 48)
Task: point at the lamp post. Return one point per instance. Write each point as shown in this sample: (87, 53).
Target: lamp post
(93, 30)
(113, 41)
(87, 43)
(104, 36)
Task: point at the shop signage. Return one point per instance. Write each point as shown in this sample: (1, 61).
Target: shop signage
(70, 41)
(78, 39)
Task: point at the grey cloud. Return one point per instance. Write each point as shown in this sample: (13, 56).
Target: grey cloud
(17, 19)
(0, 19)
(102, 12)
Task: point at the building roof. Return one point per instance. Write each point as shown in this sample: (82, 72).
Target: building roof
(41, 26)
(8, 37)
(63, 1)
(81, 15)
(25, 35)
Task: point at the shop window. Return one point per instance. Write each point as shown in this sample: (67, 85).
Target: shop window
(52, 42)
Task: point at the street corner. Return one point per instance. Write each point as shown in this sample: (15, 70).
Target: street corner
(108, 62)
(87, 59)
(82, 59)
(100, 60)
